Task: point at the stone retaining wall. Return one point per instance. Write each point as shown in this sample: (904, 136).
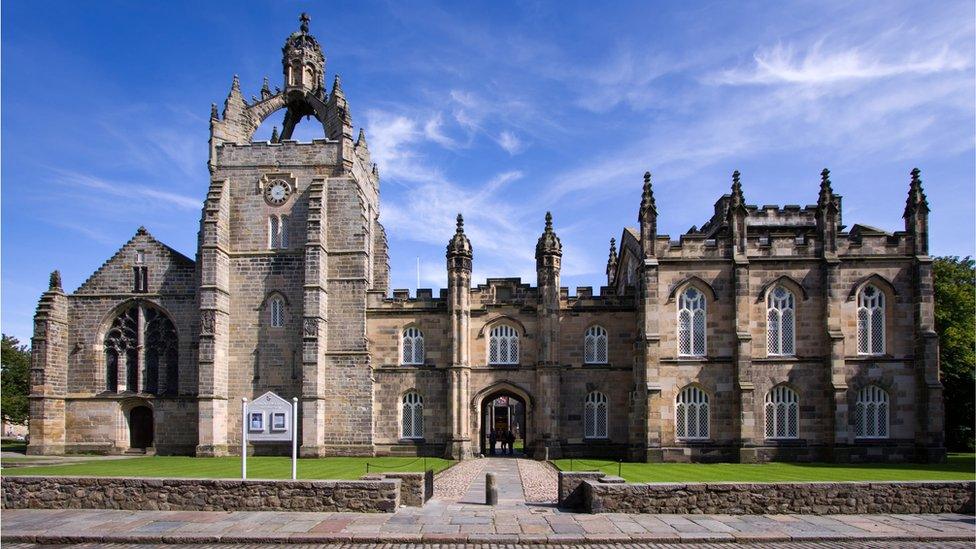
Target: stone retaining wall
(365, 496)
(415, 488)
(597, 492)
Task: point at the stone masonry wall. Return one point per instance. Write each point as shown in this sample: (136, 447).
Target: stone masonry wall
(361, 496)
(760, 498)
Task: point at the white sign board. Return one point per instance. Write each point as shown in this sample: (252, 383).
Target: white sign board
(269, 418)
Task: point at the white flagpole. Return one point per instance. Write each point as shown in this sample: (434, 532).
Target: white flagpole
(418, 272)
(243, 438)
(294, 438)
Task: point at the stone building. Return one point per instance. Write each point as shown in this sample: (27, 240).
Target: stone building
(767, 333)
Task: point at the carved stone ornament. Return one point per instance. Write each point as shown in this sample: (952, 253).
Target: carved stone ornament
(207, 321)
(311, 327)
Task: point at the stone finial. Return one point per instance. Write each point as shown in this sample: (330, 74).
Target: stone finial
(142, 230)
(916, 195)
(304, 19)
(612, 260)
(549, 243)
(235, 84)
(213, 111)
(265, 89)
(648, 205)
(826, 197)
(337, 87)
(376, 171)
(361, 140)
(459, 244)
(738, 199)
(274, 134)
(54, 283)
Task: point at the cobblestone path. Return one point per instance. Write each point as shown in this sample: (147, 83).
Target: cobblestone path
(540, 481)
(454, 482)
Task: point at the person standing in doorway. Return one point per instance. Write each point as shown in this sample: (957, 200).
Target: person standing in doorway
(492, 440)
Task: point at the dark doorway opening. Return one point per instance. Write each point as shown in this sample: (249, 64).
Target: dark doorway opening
(140, 427)
(503, 425)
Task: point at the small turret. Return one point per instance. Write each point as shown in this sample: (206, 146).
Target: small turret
(339, 122)
(612, 262)
(648, 217)
(459, 251)
(917, 214)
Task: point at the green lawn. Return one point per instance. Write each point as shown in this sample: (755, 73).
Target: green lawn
(959, 467)
(230, 467)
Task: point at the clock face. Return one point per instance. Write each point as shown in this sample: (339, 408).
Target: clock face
(277, 192)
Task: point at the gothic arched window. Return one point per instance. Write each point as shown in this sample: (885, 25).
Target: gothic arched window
(412, 347)
(595, 345)
(274, 232)
(160, 351)
(595, 415)
(503, 345)
(871, 413)
(691, 415)
(780, 322)
(412, 416)
(691, 323)
(870, 321)
(277, 312)
(782, 413)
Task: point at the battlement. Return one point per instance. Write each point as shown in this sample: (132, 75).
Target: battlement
(284, 153)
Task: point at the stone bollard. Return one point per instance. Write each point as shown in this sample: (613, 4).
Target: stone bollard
(491, 491)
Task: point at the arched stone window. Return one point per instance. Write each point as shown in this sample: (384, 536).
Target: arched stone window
(274, 232)
(871, 413)
(870, 321)
(691, 414)
(277, 305)
(412, 416)
(781, 322)
(503, 345)
(412, 346)
(782, 413)
(595, 345)
(283, 225)
(160, 351)
(691, 322)
(595, 415)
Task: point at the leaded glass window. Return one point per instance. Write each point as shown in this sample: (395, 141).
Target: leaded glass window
(782, 413)
(283, 225)
(781, 322)
(277, 312)
(412, 416)
(595, 345)
(870, 321)
(691, 323)
(503, 345)
(412, 348)
(274, 232)
(691, 414)
(595, 412)
(159, 359)
(871, 413)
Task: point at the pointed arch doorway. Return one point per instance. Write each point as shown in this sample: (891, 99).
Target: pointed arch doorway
(504, 413)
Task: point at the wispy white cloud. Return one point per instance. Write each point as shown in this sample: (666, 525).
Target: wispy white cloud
(127, 190)
(783, 64)
(510, 142)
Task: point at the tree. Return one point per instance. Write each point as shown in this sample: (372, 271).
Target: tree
(14, 380)
(955, 304)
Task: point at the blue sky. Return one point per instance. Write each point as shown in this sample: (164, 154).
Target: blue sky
(499, 110)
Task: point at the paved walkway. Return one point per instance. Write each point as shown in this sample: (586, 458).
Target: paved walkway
(705, 545)
(459, 515)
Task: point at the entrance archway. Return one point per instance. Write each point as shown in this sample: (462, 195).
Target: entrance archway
(140, 427)
(504, 424)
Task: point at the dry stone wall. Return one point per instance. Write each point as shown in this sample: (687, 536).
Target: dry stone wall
(361, 496)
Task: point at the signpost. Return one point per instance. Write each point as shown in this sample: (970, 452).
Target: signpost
(269, 418)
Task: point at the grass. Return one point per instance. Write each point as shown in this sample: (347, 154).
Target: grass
(958, 467)
(339, 468)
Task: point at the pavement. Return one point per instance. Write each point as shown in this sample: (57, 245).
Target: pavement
(463, 518)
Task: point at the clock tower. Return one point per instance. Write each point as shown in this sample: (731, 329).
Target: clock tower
(295, 224)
